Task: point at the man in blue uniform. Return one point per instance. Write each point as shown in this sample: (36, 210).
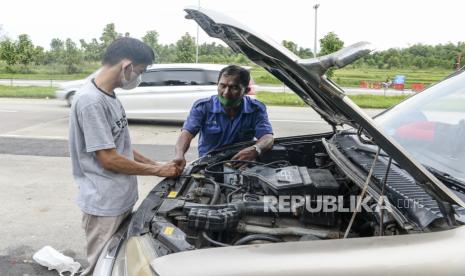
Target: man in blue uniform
(227, 118)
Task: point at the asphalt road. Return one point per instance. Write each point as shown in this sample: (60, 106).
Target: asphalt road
(35, 175)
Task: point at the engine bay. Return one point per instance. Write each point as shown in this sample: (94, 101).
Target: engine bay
(295, 192)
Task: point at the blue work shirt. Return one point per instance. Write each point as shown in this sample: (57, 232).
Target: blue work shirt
(217, 129)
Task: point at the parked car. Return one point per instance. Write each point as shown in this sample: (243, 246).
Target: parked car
(405, 170)
(167, 91)
(68, 89)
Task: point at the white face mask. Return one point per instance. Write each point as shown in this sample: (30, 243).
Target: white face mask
(133, 81)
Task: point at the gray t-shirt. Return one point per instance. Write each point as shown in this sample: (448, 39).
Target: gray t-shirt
(98, 121)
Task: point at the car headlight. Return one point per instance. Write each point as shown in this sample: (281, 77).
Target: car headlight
(135, 256)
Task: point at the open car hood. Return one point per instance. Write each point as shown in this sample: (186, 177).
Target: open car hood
(306, 78)
(303, 76)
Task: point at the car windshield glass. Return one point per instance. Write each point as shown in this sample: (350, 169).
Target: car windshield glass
(431, 126)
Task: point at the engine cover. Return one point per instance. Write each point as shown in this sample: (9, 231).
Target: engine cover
(293, 180)
(302, 181)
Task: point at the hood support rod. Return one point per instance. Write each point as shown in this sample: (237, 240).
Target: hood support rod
(362, 195)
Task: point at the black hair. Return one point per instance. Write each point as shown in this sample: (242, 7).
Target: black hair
(126, 47)
(235, 70)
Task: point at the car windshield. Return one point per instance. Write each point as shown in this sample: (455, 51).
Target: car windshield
(431, 126)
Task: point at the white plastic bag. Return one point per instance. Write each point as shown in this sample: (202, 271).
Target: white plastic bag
(51, 258)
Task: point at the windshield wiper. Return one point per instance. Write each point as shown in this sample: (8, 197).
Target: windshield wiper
(446, 177)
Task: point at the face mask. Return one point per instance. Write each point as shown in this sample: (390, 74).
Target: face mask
(229, 102)
(133, 82)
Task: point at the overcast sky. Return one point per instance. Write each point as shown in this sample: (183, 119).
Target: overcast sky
(385, 23)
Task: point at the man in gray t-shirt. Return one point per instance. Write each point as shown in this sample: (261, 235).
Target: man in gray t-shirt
(104, 163)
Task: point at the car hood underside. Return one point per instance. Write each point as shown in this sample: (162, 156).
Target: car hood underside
(306, 78)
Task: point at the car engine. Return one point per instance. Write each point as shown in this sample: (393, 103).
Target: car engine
(293, 193)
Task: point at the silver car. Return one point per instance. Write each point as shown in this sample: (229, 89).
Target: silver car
(381, 196)
(166, 93)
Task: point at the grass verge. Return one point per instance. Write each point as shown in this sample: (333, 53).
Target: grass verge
(27, 91)
(351, 77)
(364, 101)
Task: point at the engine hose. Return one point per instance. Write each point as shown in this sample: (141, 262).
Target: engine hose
(212, 241)
(257, 237)
(216, 192)
(224, 185)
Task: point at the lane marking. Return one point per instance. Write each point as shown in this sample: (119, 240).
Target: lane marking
(8, 111)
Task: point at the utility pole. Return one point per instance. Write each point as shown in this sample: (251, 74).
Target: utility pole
(197, 43)
(316, 12)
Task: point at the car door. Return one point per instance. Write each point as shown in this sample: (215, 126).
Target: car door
(167, 94)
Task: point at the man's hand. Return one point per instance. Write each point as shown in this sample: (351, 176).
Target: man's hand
(168, 169)
(180, 162)
(247, 154)
(265, 143)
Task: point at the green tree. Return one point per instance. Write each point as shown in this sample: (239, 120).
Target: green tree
(109, 35)
(217, 53)
(393, 62)
(185, 49)
(24, 50)
(93, 51)
(8, 53)
(151, 39)
(291, 46)
(39, 55)
(71, 57)
(305, 53)
(167, 54)
(330, 43)
(299, 51)
(241, 59)
(57, 47)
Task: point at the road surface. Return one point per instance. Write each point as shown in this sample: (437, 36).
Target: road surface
(38, 192)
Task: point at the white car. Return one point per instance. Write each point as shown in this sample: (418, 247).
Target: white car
(69, 88)
(297, 209)
(167, 91)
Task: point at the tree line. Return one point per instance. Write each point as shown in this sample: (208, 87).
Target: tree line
(20, 54)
